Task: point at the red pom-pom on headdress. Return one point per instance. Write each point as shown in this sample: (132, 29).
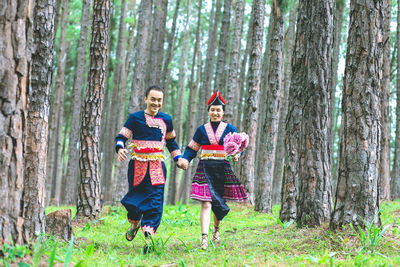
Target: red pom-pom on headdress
(216, 98)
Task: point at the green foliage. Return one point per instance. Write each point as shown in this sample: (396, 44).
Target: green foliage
(370, 238)
(284, 225)
(248, 238)
(11, 253)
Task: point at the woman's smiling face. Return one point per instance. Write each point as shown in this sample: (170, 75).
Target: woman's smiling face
(216, 112)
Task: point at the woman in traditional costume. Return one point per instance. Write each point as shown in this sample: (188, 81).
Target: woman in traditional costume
(214, 181)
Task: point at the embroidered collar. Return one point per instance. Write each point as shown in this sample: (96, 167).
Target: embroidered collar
(215, 137)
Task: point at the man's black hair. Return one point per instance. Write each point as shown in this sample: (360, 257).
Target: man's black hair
(154, 87)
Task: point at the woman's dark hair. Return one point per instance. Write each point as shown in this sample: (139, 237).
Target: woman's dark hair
(154, 87)
(223, 107)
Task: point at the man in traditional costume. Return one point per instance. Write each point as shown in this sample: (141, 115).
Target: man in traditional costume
(214, 181)
(151, 130)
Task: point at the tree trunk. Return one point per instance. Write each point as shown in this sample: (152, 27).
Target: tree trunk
(263, 200)
(109, 150)
(315, 196)
(178, 116)
(252, 101)
(241, 93)
(14, 76)
(58, 223)
(170, 50)
(121, 167)
(37, 120)
(384, 167)
(337, 39)
(290, 179)
(357, 194)
(72, 176)
(233, 83)
(221, 67)
(395, 179)
(56, 116)
(141, 57)
(280, 143)
(208, 70)
(88, 204)
(185, 184)
(157, 42)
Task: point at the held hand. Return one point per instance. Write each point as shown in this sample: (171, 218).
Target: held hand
(122, 154)
(183, 163)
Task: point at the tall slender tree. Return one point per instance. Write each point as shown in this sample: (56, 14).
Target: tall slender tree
(209, 65)
(220, 70)
(37, 120)
(178, 116)
(157, 42)
(184, 187)
(109, 147)
(263, 200)
(315, 200)
(337, 39)
(88, 204)
(252, 101)
(357, 194)
(121, 167)
(232, 81)
(165, 77)
(72, 176)
(395, 177)
(280, 143)
(141, 54)
(54, 166)
(384, 167)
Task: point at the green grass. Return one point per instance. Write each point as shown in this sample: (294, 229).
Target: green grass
(248, 238)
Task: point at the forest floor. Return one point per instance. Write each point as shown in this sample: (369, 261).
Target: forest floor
(248, 238)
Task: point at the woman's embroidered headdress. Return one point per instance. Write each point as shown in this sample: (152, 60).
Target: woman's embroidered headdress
(216, 99)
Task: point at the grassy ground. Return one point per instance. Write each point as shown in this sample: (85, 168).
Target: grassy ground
(247, 239)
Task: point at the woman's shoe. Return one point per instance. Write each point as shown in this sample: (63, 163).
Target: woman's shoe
(131, 233)
(215, 237)
(204, 241)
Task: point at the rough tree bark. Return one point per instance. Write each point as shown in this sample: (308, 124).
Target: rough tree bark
(357, 194)
(141, 54)
(14, 76)
(263, 200)
(293, 126)
(73, 147)
(233, 82)
(280, 143)
(88, 204)
(395, 177)
(252, 101)
(314, 203)
(157, 42)
(37, 120)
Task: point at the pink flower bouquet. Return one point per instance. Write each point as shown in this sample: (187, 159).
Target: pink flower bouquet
(235, 143)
